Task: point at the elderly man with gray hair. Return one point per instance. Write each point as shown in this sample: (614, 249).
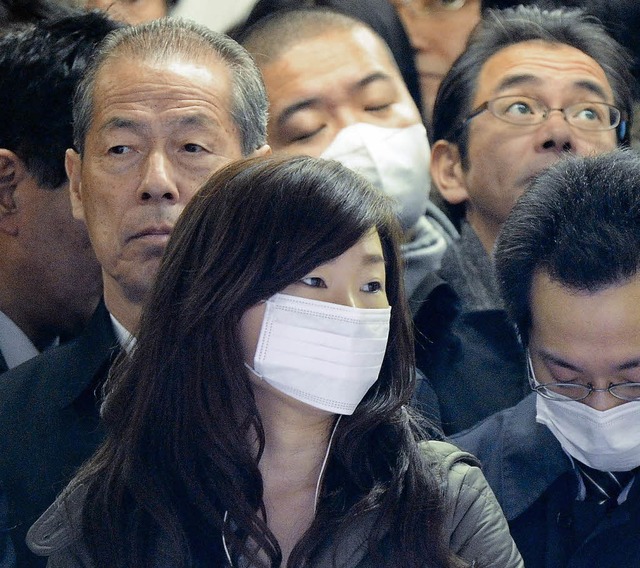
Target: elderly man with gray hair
(161, 107)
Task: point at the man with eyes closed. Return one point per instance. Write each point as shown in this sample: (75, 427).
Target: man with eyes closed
(161, 107)
(335, 92)
(531, 88)
(564, 462)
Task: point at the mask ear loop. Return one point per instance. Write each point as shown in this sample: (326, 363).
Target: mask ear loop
(315, 497)
(224, 540)
(622, 130)
(324, 465)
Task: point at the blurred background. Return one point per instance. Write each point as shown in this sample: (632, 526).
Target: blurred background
(215, 14)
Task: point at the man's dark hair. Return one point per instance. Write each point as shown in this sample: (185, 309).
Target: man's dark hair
(499, 29)
(579, 223)
(25, 11)
(40, 65)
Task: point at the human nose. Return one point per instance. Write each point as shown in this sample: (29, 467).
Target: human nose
(158, 180)
(602, 399)
(348, 298)
(346, 116)
(555, 133)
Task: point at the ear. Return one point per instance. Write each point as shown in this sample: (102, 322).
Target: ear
(73, 165)
(447, 172)
(12, 173)
(264, 150)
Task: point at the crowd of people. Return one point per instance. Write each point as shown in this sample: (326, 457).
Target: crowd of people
(355, 284)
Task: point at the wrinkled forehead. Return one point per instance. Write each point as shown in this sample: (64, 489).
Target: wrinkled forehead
(142, 92)
(131, 77)
(541, 65)
(200, 62)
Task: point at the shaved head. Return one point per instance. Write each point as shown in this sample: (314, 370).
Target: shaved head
(272, 36)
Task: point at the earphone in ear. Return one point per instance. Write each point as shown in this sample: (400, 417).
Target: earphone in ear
(622, 130)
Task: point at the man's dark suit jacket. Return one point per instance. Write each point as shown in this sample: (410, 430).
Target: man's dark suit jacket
(50, 424)
(536, 486)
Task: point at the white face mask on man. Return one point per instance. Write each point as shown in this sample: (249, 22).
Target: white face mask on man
(323, 354)
(605, 440)
(395, 160)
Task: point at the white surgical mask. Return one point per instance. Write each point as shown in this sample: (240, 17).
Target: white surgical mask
(606, 440)
(326, 355)
(395, 160)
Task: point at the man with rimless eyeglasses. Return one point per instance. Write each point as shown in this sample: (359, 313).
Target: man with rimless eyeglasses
(531, 88)
(564, 462)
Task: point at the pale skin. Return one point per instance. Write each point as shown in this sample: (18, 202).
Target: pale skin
(321, 85)
(296, 434)
(504, 158)
(158, 132)
(586, 337)
(50, 276)
(438, 38)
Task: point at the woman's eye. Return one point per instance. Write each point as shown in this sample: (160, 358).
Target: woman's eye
(314, 282)
(372, 287)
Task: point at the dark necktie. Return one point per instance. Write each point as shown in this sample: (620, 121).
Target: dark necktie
(603, 486)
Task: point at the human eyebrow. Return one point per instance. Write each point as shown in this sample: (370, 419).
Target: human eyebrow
(294, 108)
(593, 88)
(372, 78)
(369, 259)
(631, 364)
(528, 79)
(555, 360)
(516, 81)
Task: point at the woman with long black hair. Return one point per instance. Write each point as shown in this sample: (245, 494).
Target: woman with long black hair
(261, 418)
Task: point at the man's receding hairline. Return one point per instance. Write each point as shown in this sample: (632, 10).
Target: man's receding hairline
(194, 54)
(553, 45)
(159, 62)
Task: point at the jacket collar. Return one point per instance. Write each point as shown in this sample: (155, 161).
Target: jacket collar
(56, 378)
(531, 458)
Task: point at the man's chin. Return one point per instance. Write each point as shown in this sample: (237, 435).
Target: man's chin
(136, 287)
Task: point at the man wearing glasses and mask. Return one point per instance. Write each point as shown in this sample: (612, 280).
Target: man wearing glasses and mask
(563, 462)
(532, 88)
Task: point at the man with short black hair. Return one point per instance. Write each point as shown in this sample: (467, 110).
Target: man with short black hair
(531, 88)
(564, 461)
(50, 276)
